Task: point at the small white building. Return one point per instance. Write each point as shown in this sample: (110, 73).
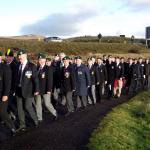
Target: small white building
(52, 39)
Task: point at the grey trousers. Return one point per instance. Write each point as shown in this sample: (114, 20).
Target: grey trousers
(47, 101)
(92, 95)
(69, 102)
(81, 100)
(27, 104)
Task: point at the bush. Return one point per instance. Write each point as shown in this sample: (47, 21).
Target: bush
(126, 127)
(136, 51)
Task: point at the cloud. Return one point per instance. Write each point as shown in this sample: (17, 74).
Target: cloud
(59, 24)
(138, 5)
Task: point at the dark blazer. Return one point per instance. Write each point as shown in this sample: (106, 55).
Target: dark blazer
(68, 82)
(13, 66)
(82, 80)
(101, 73)
(142, 69)
(93, 74)
(5, 80)
(45, 76)
(136, 71)
(110, 72)
(129, 74)
(147, 69)
(119, 71)
(56, 74)
(30, 82)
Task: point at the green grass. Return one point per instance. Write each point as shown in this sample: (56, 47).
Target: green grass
(73, 48)
(127, 127)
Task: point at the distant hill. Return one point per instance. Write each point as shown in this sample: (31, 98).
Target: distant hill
(105, 39)
(24, 37)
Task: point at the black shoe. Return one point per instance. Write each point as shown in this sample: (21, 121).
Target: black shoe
(13, 132)
(67, 114)
(40, 121)
(36, 125)
(21, 129)
(55, 118)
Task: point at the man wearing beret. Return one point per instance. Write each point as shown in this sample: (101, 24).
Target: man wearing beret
(93, 76)
(45, 76)
(68, 83)
(5, 86)
(12, 63)
(27, 85)
(82, 82)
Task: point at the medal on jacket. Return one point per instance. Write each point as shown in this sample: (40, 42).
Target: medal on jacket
(79, 72)
(92, 72)
(112, 67)
(119, 67)
(43, 75)
(67, 74)
(28, 74)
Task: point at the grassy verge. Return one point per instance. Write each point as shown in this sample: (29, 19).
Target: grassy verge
(127, 127)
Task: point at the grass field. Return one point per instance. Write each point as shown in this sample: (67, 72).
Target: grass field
(127, 127)
(79, 47)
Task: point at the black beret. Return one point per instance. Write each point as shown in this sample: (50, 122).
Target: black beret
(21, 52)
(66, 58)
(41, 56)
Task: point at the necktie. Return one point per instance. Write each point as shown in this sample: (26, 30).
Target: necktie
(20, 74)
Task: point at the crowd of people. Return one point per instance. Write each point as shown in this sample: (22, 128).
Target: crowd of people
(71, 82)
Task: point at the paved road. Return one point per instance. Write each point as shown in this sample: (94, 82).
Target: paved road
(67, 133)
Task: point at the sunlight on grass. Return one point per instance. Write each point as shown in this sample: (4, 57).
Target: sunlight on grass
(127, 127)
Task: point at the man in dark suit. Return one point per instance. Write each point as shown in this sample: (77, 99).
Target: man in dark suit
(45, 76)
(110, 66)
(128, 73)
(12, 63)
(68, 83)
(147, 74)
(27, 85)
(93, 76)
(136, 74)
(142, 73)
(101, 78)
(83, 82)
(5, 86)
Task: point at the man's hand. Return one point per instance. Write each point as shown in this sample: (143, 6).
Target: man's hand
(48, 92)
(4, 98)
(36, 93)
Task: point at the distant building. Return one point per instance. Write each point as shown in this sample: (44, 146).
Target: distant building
(52, 39)
(122, 36)
(148, 36)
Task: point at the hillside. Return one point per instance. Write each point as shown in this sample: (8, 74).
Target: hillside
(77, 46)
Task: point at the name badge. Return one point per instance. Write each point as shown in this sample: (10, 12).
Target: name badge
(28, 74)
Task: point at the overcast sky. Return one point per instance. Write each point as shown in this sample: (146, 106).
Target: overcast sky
(67, 18)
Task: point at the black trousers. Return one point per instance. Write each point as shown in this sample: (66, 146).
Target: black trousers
(4, 115)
